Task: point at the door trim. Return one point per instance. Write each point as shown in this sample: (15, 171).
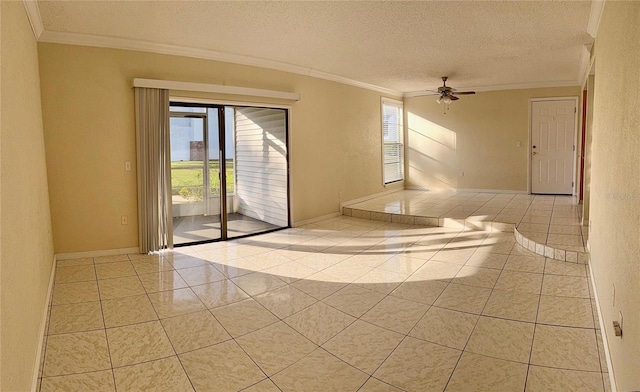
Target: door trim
(575, 135)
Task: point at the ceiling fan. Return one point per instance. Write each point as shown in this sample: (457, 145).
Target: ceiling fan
(447, 94)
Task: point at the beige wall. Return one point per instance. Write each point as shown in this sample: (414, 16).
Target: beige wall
(26, 243)
(477, 135)
(615, 188)
(90, 133)
(589, 86)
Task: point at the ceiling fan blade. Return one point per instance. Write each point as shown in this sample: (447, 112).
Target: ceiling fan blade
(464, 92)
(453, 97)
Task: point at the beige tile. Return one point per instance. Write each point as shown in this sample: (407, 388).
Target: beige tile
(479, 373)
(160, 375)
(162, 281)
(239, 268)
(80, 317)
(564, 239)
(565, 286)
(263, 386)
(502, 339)
(512, 306)
(127, 310)
(380, 280)
(114, 270)
(74, 262)
(285, 301)
(601, 353)
(519, 281)
(556, 267)
(71, 293)
(445, 327)
(565, 229)
(95, 381)
(363, 345)
(149, 266)
(77, 273)
(138, 343)
(258, 282)
(417, 365)
(175, 302)
(487, 260)
(120, 287)
(402, 264)
(291, 271)
(275, 347)
(219, 293)
(396, 314)
(525, 263)
(456, 256)
(437, 270)
(319, 322)
(244, 317)
(193, 331)
(78, 352)
(354, 300)
(565, 311)
(188, 261)
(463, 298)
(110, 259)
(543, 379)
(201, 275)
(318, 285)
(320, 371)
(566, 348)
(375, 385)
(423, 291)
(234, 372)
(477, 276)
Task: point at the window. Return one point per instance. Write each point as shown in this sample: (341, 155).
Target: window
(392, 147)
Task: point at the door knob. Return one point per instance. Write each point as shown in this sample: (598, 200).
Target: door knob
(534, 153)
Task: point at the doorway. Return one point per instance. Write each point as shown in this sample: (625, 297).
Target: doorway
(229, 171)
(553, 135)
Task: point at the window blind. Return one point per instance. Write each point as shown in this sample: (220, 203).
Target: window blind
(393, 148)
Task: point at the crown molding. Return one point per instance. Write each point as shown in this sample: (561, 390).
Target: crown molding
(33, 13)
(517, 86)
(597, 6)
(176, 50)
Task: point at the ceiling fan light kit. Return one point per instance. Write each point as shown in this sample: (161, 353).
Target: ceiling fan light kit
(447, 94)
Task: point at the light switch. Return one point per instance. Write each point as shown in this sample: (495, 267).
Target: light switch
(127, 166)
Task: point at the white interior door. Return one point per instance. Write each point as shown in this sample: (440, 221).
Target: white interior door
(553, 127)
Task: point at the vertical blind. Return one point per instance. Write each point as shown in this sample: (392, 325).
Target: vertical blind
(392, 149)
(154, 168)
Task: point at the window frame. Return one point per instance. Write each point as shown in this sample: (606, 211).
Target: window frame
(400, 106)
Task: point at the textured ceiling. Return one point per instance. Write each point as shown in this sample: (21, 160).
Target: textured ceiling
(404, 46)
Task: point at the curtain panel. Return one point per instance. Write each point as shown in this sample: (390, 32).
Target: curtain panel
(154, 169)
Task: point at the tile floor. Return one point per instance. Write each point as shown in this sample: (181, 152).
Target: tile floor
(550, 220)
(345, 304)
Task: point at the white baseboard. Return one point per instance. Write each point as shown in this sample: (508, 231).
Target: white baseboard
(43, 324)
(417, 188)
(316, 219)
(605, 345)
(369, 197)
(97, 253)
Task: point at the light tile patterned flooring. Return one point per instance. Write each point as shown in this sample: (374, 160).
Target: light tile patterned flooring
(550, 220)
(341, 305)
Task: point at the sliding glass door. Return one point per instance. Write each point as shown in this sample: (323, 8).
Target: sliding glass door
(229, 171)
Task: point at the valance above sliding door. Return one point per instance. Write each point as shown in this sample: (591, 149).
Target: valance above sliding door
(153, 167)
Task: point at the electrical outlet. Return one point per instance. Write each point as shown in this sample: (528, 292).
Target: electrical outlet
(127, 166)
(124, 220)
(461, 174)
(518, 144)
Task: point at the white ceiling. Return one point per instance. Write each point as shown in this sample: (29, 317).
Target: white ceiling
(400, 46)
